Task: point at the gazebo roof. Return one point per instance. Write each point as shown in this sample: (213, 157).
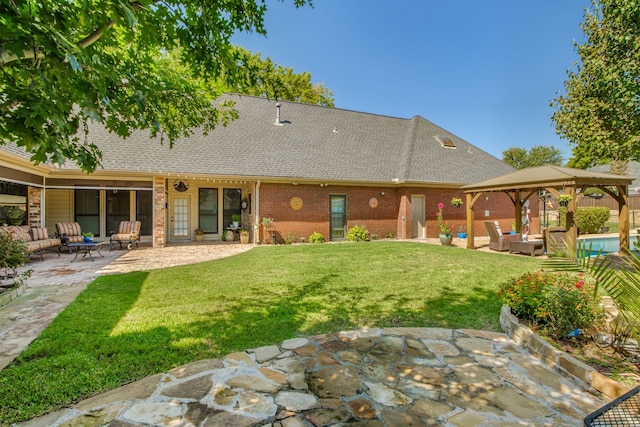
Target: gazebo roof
(547, 176)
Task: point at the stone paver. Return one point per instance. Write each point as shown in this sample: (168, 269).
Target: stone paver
(475, 385)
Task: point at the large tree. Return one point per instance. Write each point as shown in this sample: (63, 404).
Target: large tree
(600, 112)
(538, 155)
(65, 62)
(275, 81)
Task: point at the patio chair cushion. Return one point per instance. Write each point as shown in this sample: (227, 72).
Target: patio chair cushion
(71, 230)
(38, 233)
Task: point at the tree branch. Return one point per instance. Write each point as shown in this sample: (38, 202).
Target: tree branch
(38, 53)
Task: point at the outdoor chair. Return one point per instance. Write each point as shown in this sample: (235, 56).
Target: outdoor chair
(128, 232)
(497, 240)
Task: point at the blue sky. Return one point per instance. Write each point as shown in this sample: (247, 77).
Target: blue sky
(485, 71)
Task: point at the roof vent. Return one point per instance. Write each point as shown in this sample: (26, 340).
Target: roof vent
(278, 121)
(445, 141)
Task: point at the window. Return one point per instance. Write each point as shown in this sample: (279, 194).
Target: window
(232, 200)
(87, 210)
(118, 208)
(144, 211)
(208, 210)
(13, 203)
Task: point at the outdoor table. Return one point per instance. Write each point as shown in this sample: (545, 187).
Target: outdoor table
(531, 247)
(623, 411)
(86, 248)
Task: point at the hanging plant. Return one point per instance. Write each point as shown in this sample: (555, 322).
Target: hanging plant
(564, 199)
(456, 202)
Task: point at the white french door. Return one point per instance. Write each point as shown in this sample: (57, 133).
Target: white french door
(179, 218)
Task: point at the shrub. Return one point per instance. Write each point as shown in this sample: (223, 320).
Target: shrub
(316, 237)
(557, 302)
(357, 233)
(589, 220)
(291, 238)
(12, 256)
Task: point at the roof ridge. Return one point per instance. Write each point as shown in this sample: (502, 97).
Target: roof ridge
(404, 162)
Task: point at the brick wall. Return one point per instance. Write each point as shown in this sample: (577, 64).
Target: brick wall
(383, 219)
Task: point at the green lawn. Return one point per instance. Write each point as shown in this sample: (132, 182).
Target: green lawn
(125, 327)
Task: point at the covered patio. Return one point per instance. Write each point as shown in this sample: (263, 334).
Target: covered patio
(521, 185)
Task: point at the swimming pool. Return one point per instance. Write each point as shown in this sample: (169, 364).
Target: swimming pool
(605, 243)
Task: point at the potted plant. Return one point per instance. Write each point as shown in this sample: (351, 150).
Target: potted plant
(446, 231)
(244, 236)
(462, 234)
(199, 234)
(564, 199)
(88, 237)
(456, 202)
(235, 219)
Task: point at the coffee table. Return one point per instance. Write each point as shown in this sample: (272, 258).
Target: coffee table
(86, 248)
(531, 247)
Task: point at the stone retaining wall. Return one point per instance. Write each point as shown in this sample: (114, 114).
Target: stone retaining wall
(563, 363)
(8, 296)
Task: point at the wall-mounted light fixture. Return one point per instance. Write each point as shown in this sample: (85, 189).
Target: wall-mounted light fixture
(382, 193)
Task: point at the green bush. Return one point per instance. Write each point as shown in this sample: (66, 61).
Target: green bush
(13, 255)
(358, 233)
(316, 237)
(291, 238)
(589, 220)
(557, 302)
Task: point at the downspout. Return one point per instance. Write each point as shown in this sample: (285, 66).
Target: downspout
(256, 225)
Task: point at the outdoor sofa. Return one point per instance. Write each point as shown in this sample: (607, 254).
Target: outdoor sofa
(36, 239)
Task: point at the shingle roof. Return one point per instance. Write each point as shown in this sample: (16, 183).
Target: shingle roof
(313, 142)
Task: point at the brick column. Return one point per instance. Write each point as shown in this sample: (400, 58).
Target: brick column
(34, 206)
(159, 203)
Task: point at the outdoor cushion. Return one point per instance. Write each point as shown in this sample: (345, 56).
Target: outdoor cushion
(71, 230)
(38, 233)
(128, 231)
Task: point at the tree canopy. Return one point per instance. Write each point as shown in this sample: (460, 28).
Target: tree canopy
(63, 63)
(538, 155)
(600, 112)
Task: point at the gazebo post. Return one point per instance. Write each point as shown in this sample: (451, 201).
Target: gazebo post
(571, 226)
(518, 211)
(623, 218)
(470, 220)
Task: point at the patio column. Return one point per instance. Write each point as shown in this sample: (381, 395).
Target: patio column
(470, 222)
(571, 226)
(34, 207)
(159, 204)
(623, 218)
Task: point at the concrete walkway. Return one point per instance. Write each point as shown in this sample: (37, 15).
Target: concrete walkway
(379, 377)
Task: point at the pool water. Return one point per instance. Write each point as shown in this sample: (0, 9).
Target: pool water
(605, 243)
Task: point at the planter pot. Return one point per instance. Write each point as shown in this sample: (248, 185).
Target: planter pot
(199, 237)
(229, 236)
(462, 235)
(447, 241)
(88, 239)
(563, 204)
(512, 232)
(244, 238)
(235, 224)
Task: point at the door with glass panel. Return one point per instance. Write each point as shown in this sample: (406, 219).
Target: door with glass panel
(179, 217)
(338, 221)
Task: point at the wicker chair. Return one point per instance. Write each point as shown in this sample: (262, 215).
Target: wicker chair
(128, 232)
(497, 240)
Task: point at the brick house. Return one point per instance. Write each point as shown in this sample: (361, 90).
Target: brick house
(309, 168)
